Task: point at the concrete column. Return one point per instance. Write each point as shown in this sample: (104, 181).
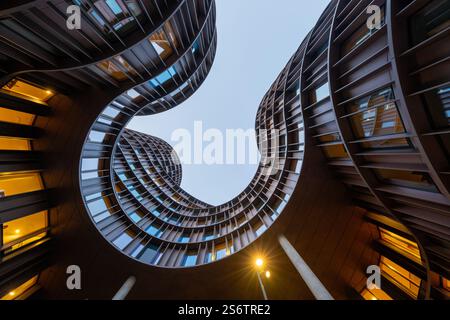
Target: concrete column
(125, 289)
(317, 288)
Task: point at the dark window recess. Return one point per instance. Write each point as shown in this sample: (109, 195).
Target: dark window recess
(432, 19)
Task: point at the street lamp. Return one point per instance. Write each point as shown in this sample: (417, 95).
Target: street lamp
(259, 263)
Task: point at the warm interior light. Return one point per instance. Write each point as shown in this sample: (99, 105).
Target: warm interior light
(268, 274)
(259, 262)
(12, 293)
(17, 231)
(49, 92)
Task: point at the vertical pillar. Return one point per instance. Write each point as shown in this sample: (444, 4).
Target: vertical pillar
(317, 288)
(125, 289)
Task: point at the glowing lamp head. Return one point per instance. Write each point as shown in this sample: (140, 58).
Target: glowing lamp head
(259, 262)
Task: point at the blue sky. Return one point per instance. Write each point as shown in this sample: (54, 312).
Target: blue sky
(256, 38)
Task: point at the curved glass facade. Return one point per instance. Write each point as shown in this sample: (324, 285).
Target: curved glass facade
(361, 113)
(147, 212)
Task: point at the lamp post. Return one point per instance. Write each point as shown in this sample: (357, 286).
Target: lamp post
(259, 270)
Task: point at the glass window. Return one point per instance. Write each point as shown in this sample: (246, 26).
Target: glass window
(111, 112)
(14, 144)
(160, 42)
(195, 46)
(320, 93)
(89, 175)
(114, 6)
(260, 230)
(230, 249)
(99, 209)
(97, 18)
(93, 196)
(97, 206)
(124, 63)
(334, 137)
(189, 260)
(133, 6)
(175, 220)
(13, 116)
(138, 250)
(28, 90)
(373, 100)
(221, 251)
(185, 238)
(111, 67)
(154, 231)
(375, 294)
(13, 184)
(380, 121)
(335, 151)
(123, 240)
(446, 284)
(208, 236)
(89, 164)
(162, 47)
(359, 36)
(118, 13)
(208, 257)
(376, 115)
(135, 217)
(96, 136)
(24, 287)
(163, 77)
(400, 242)
(102, 216)
(150, 254)
(123, 176)
(387, 143)
(412, 179)
(405, 280)
(133, 94)
(438, 102)
(295, 166)
(18, 229)
(432, 19)
(282, 204)
(156, 213)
